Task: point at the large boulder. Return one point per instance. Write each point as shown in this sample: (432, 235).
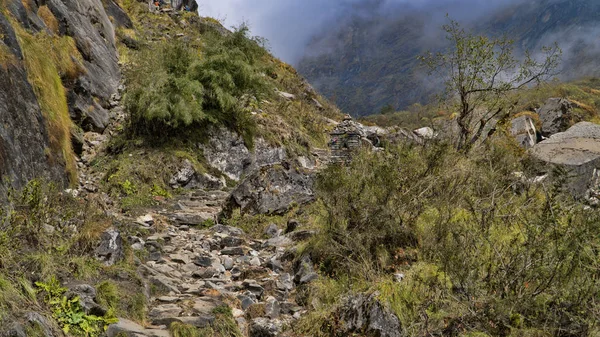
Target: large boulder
(555, 115)
(577, 152)
(367, 315)
(110, 249)
(227, 152)
(271, 190)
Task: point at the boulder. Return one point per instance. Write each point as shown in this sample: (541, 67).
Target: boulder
(34, 319)
(87, 299)
(365, 314)
(263, 327)
(110, 249)
(187, 177)
(524, 131)
(183, 176)
(227, 152)
(554, 115)
(304, 271)
(577, 152)
(129, 328)
(271, 190)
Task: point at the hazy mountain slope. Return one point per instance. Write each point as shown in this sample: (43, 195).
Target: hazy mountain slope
(369, 60)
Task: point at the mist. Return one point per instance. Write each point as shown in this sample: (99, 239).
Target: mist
(289, 25)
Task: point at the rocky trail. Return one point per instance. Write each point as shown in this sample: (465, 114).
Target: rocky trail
(196, 266)
(192, 271)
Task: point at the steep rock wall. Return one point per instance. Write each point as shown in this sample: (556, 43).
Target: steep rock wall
(25, 131)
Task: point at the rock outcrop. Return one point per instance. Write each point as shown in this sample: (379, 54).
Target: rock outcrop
(89, 25)
(23, 131)
(227, 152)
(554, 115)
(367, 315)
(273, 189)
(577, 152)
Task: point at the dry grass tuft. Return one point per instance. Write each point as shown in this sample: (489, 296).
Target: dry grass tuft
(49, 19)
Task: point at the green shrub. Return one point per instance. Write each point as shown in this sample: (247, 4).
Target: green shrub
(175, 88)
(68, 312)
(480, 251)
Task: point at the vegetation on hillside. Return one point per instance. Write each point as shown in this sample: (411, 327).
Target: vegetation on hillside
(47, 238)
(174, 88)
(482, 252)
(481, 75)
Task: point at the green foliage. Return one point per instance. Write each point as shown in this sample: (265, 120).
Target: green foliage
(68, 312)
(479, 73)
(184, 330)
(175, 87)
(481, 252)
(223, 326)
(107, 294)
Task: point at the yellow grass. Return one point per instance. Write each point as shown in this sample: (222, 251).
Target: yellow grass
(46, 59)
(46, 15)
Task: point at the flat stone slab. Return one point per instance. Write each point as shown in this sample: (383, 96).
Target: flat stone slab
(577, 146)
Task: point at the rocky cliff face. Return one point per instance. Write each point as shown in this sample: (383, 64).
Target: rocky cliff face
(26, 134)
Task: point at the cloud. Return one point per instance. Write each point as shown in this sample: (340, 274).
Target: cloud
(290, 25)
(287, 24)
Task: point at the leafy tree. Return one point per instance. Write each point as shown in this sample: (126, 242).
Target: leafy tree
(387, 109)
(480, 73)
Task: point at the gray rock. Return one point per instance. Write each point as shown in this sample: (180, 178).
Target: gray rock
(254, 288)
(246, 301)
(183, 176)
(227, 152)
(272, 230)
(271, 190)
(292, 225)
(89, 25)
(132, 329)
(577, 152)
(263, 327)
(227, 263)
(204, 273)
(231, 241)
(164, 311)
(233, 251)
(34, 319)
(203, 261)
(278, 241)
(272, 307)
(365, 314)
(304, 271)
(524, 131)
(87, 299)
(285, 282)
(24, 136)
(228, 230)
(555, 114)
(110, 250)
(15, 330)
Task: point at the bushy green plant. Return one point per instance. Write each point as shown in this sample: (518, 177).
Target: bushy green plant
(68, 312)
(176, 88)
(481, 252)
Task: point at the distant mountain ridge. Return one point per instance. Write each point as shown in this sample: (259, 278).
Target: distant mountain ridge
(370, 60)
